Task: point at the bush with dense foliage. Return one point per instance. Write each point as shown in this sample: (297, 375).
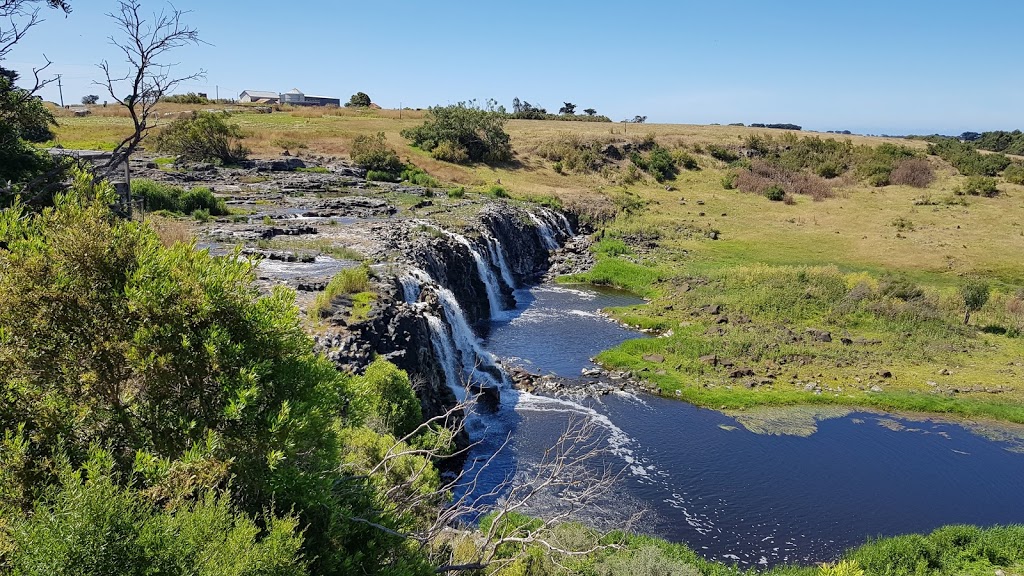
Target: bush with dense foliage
(1001, 141)
(161, 196)
(359, 100)
(463, 133)
(375, 154)
(23, 120)
(189, 98)
(156, 403)
(1014, 174)
(966, 158)
(203, 137)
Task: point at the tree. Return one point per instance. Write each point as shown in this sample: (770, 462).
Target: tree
(90, 99)
(147, 77)
(23, 117)
(590, 112)
(975, 294)
(466, 131)
(567, 109)
(203, 137)
(359, 100)
(638, 119)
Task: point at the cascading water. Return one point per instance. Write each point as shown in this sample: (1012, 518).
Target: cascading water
(483, 269)
(471, 361)
(546, 235)
(564, 225)
(498, 255)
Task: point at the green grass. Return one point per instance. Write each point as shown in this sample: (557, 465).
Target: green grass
(314, 170)
(623, 274)
(352, 282)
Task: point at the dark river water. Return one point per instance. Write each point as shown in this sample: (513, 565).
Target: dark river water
(701, 478)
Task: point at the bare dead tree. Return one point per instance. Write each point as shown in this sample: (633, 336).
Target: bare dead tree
(145, 44)
(574, 472)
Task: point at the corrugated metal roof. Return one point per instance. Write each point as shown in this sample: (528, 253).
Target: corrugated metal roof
(294, 91)
(321, 97)
(260, 94)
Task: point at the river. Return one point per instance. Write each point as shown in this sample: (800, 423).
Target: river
(700, 477)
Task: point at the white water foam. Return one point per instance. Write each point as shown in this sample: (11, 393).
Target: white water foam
(546, 235)
(483, 269)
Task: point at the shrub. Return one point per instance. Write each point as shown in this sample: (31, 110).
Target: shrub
(775, 193)
(573, 153)
(457, 193)
(916, 172)
(359, 100)
(497, 191)
(762, 175)
(449, 151)
(661, 164)
(966, 159)
(478, 132)
(980, 186)
(1014, 174)
(190, 98)
(380, 176)
(684, 160)
(203, 137)
(418, 177)
(974, 293)
(729, 181)
(375, 155)
(830, 169)
(159, 196)
(384, 400)
(722, 153)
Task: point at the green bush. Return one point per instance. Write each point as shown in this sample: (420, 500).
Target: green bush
(497, 191)
(203, 137)
(1014, 174)
(980, 186)
(467, 129)
(775, 193)
(722, 153)
(373, 154)
(457, 192)
(96, 312)
(417, 176)
(661, 164)
(380, 176)
(729, 180)
(161, 196)
(384, 400)
(966, 158)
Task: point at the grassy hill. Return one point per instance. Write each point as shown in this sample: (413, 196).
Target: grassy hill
(744, 289)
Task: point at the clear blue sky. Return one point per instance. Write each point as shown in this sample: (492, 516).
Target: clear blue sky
(892, 66)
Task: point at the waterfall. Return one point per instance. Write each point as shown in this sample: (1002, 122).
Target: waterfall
(483, 270)
(498, 255)
(566, 226)
(456, 346)
(546, 235)
(442, 344)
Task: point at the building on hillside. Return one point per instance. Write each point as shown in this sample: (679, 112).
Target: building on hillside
(259, 97)
(295, 97)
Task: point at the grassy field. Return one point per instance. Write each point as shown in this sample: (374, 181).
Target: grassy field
(735, 276)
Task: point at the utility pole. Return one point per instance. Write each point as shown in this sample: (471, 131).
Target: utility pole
(399, 110)
(61, 90)
(218, 92)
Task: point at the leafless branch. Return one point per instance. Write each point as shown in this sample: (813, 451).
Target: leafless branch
(575, 471)
(147, 77)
